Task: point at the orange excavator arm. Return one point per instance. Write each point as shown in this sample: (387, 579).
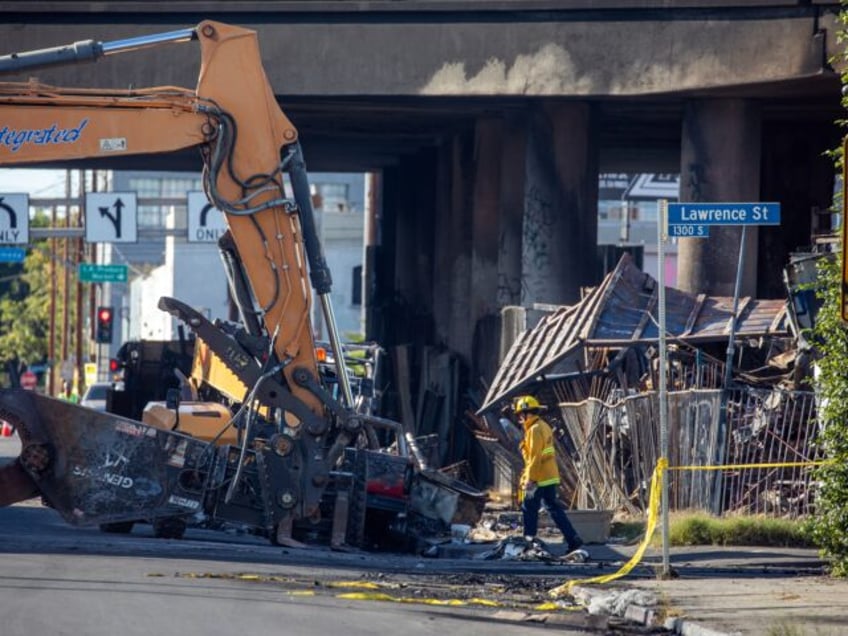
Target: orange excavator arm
(253, 172)
(98, 468)
(248, 145)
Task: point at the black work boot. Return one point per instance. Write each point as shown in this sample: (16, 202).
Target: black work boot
(576, 544)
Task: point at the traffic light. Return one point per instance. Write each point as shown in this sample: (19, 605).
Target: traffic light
(103, 328)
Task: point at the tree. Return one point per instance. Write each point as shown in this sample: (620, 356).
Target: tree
(25, 304)
(830, 524)
(23, 312)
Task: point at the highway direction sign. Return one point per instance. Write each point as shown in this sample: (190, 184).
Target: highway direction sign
(91, 273)
(700, 213)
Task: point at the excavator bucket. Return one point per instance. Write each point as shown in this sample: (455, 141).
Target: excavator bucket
(97, 468)
(102, 469)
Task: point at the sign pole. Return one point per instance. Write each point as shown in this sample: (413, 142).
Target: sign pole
(662, 233)
(731, 345)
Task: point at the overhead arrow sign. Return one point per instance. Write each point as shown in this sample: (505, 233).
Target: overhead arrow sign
(14, 219)
(116, 217)
(206, 224)
(13, 216)
(110, 217)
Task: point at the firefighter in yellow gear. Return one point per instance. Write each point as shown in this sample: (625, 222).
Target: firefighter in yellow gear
(540, 477)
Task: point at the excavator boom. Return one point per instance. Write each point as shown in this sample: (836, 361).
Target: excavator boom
(297, 439)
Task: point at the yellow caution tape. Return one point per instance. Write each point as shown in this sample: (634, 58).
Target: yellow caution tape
(553, 605)
(365, 585)
(369, 596)
(483, 601)
(380, 596)
(654, 512)
(451, 602)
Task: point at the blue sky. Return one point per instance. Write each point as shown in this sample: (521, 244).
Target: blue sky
(36, 183)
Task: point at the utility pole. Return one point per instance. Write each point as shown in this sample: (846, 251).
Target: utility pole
(51, 344)
(66, 288)
(79, 244)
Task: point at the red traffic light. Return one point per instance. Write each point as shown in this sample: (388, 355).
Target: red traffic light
(103, 324)
(114, 365)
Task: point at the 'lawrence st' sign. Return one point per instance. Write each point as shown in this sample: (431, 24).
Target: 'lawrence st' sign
(723, 213)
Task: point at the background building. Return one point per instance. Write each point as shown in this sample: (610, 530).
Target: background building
(164, 263)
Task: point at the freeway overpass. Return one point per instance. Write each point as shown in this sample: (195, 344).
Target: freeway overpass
(490, 121)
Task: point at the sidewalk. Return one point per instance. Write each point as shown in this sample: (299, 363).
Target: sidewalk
(770, 591)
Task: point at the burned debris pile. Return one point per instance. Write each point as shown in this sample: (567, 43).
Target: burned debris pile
(595, 365)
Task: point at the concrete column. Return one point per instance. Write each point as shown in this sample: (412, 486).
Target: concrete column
(485, 216)
(559, 250)
(413, 247)
(485, 224)
(452, 246)
(512, 185)
(719, 161)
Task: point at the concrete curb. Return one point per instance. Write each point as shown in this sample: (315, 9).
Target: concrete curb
(688, 628)
(640, 607)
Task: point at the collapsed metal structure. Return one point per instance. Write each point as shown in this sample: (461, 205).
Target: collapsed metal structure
(594, 364)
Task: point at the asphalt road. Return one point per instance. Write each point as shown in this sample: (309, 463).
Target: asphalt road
(60, 579)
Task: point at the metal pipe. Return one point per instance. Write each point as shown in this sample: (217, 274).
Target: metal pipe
(662, 392)
(335, 343)
(319, 272)
(83, 51)
(146, 41)
(721, 435)
(731, 345)
(87, 51)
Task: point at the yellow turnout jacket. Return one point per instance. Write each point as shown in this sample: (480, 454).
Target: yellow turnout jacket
(539, 453)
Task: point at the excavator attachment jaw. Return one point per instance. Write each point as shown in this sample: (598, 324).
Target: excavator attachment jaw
(98, 468)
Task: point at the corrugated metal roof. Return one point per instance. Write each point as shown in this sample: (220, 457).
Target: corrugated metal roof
(621, 311)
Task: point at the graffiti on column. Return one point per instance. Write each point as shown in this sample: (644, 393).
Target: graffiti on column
(538, 226)
(696, 181)
(509, 290)
(509, 282)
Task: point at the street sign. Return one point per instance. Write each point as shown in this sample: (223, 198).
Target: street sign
(650, 187)
(689, 231)
(28, 380)
(91, 273)
(110, 217)
(12, 254)
(67, 370)
(90, 373)
(14, 219)
(206, 224)
(700, 213)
